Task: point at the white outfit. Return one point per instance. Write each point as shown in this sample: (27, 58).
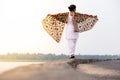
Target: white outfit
(71, 36)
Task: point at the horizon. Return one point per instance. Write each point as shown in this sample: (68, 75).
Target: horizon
(60, 54)
(21, 29)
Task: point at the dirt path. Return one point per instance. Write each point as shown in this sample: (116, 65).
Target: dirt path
(66, 70)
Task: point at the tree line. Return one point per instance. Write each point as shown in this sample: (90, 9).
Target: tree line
(48, 57)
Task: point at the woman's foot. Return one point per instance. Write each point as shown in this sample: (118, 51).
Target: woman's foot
(72, 57)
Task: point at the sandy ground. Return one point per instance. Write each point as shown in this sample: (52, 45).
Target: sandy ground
(66, 70)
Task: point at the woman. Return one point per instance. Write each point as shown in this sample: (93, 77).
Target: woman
(71, 33)
(76, 22)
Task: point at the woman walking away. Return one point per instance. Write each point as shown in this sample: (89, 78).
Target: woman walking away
(76, 22)
(71, 32)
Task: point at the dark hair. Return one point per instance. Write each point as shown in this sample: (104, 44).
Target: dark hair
(72, 7)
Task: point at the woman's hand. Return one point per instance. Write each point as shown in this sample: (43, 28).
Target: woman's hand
(76, 29)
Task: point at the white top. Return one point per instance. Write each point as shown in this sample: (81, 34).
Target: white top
(70, 34)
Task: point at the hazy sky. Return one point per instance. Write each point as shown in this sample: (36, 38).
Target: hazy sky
(21, 29)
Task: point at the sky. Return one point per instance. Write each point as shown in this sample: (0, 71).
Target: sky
(21, 30)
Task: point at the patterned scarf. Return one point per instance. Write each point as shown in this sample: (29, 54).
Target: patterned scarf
(54, 24)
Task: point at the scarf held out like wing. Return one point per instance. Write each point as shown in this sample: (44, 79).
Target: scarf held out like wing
(54, 24)
(84, 22)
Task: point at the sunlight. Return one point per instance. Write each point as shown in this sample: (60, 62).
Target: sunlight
(21, 28)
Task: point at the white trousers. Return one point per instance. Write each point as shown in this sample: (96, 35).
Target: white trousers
(71, 46)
